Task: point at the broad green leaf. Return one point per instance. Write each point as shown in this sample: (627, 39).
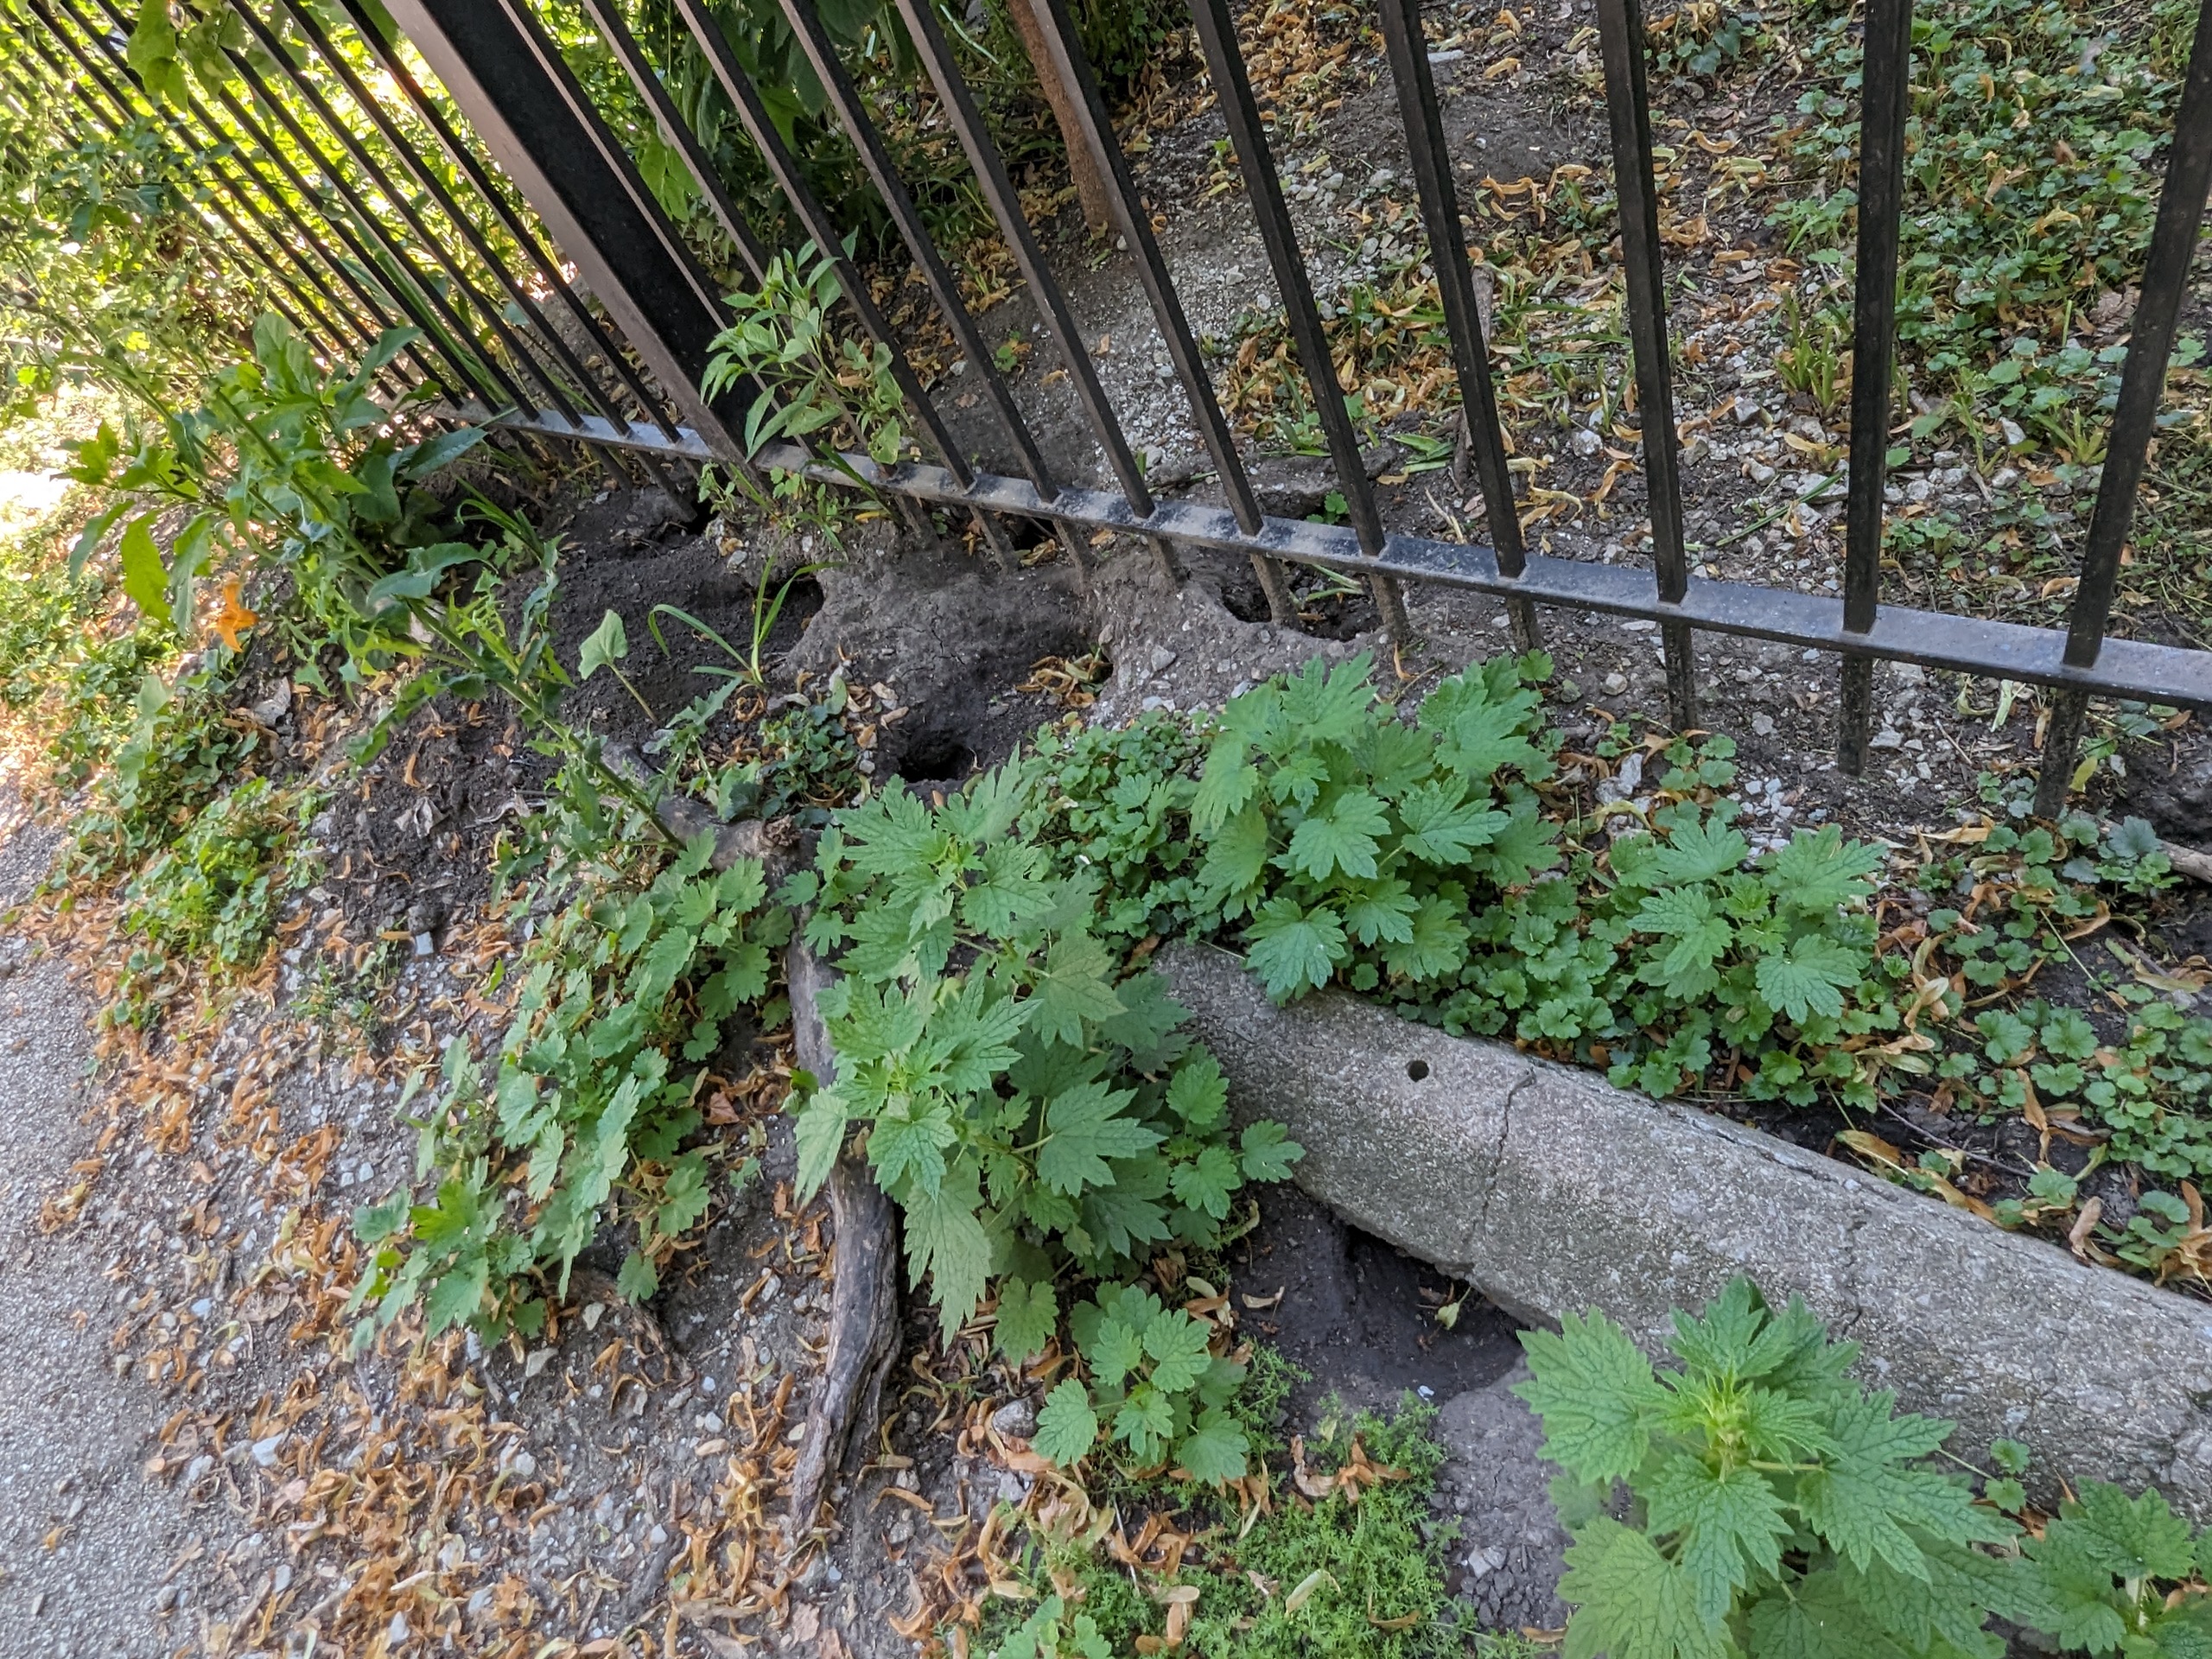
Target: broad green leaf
(1816, 1618)
(1178, 1344)
(1631, 1602)
(820, 1133)
(908, 1145)
(1868, 1492)
(1812, 977)
(945, 1241)
(639, 1279)
(609, 643)
(375, 1222)
(457, 1296)
(1595, 1393)
(1268, 1152)
(1067, 1428)
(2130, 1538)
(1076, 985)
(1344, 836)
(1294, 949)
(1695, 852)
(1215, 1450)
(1732, 1525)
(1208, 1182)
(1084, 1128)
(1144, 1421)
(1442, 828)
(1820, 871)
(684, 1195)
(1028, 1315)
(144, 579)
(1199, 1092)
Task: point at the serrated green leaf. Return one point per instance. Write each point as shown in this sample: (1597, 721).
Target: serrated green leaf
(1294, 949)
(1084, 1128)
(1342, 837)
(945, 1241)
(1208, 1182)
(1731, 1524)
(1816, 1618)
(1199, 1092)
(1067, 1428)
(1820, 871)
(1812, 977)
(1076, 985)
(1631, 1602)
(1595, 1393)
(144, 579)
(1214, 1450)
(1177, 1344)
(1867, 1491)
(820, 1133)
(1144, 1421)
(1028, 1315)
(639, 1279)
(1268, 1152)
(457, 1296)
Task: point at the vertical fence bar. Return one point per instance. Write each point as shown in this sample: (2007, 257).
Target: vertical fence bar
(1620, 32)
(434, 246)
(608, 20)
(289, 206)
(745, 98)
(1233, 88)
(480, 247)
(1884, 96)
(1072, 68)
(526, 238)
(1455, 283)
(585, 383)
(2142, 388)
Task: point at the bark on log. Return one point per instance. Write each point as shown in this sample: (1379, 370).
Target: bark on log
(864, 1296)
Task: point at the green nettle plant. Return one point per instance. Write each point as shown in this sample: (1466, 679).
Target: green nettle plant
(1027, 1106)
(1755, 1501)
(1338, 843)
(1158, 1391)
(591, 1103)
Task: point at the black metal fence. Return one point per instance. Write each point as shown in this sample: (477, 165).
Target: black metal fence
(302, 178)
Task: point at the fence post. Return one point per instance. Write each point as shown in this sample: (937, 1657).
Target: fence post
(585, 190)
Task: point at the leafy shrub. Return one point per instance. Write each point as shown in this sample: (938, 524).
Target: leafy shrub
(1028, 1107)
(1157, 1388)
(214, 895)
(626, 994)
(1338, 843)
(1776, 1507)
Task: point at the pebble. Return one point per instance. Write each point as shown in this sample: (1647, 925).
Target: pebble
(1617, 683)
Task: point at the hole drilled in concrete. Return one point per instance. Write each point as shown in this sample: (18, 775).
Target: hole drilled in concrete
(1417, 1069)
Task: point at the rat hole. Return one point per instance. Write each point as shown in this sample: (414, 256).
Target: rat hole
(937, 757)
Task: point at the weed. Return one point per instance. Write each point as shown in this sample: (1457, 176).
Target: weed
(1154, 1380)
(1345, 1564)
(1031, 1106)
(593, 1101)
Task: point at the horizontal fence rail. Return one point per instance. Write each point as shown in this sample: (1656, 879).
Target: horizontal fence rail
(457, 205)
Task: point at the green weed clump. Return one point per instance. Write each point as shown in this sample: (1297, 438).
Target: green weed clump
(1419, 862)
(1028, 1106)
(1774, 1507)
(214, 896)
(1356, 1573)
(590, 1112)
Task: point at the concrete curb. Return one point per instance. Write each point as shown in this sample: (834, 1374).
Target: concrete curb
(1551, 1189)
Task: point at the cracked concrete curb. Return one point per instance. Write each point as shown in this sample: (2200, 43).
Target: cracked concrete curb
(1550, 1190)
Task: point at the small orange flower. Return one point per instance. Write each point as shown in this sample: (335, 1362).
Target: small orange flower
(234, 615)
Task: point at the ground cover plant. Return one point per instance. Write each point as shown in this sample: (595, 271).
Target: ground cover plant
(1772, 1507)
(1326, 1547)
